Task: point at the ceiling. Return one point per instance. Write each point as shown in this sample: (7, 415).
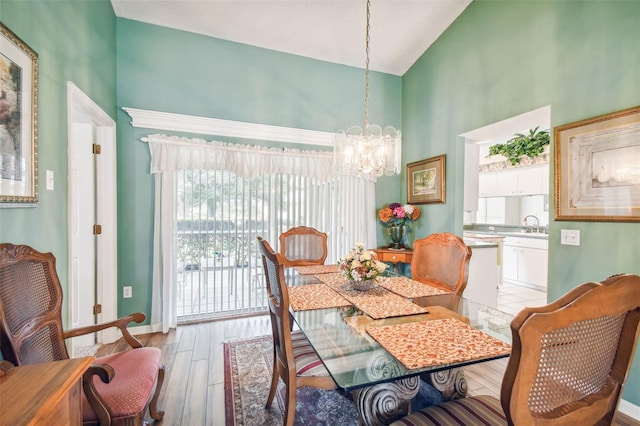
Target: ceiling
(328, 30)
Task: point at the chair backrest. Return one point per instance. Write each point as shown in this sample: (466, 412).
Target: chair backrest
(441, 260)
(273, 264)
(30, 306)
(303, 245)
(570, 359)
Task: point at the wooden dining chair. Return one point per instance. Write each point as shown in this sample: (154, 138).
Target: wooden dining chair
(303, 245)
(118, 388)
(294, 360)
(442, 261)
(568, 365)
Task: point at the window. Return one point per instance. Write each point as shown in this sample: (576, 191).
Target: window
(218, 217)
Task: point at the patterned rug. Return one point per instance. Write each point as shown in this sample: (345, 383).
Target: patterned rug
(247, 376)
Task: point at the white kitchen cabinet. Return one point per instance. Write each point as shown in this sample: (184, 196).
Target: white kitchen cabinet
(498, 184)
(518, 181)
(526, 261)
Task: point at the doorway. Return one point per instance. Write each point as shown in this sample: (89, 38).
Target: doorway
(92, 201)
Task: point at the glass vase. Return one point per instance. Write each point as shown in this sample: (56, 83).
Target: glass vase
(396, 233)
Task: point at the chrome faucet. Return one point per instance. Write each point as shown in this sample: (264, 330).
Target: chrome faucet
(537, 226)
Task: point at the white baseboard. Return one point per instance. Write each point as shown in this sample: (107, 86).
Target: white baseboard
(145, 329)
(629, 409)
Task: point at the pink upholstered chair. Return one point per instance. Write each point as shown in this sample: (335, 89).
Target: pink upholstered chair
(31, 332)
(568, 366)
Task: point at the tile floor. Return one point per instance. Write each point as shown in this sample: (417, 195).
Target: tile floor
(512, 298)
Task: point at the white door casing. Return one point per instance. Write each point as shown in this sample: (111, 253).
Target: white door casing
(88, 123)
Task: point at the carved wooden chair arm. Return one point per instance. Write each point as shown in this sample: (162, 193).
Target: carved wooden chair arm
(121, 323)
(106, 373)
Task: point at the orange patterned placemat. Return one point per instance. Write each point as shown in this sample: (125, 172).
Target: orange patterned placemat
(317, 269)
(406, 287)
(436, 342)
(377, 302)
(315, 296)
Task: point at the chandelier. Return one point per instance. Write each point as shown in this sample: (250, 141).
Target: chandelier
(372, 151)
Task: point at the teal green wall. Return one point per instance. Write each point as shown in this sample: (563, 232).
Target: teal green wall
(501, 59)
(75, 41)
(174, 71)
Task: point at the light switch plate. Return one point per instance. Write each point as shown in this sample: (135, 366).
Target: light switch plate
(50, 180)
(127, 292)
(570, 237)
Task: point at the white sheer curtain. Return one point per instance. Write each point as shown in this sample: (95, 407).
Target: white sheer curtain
(354, 203)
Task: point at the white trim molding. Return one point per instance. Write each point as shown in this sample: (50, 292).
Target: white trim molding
(218, 127)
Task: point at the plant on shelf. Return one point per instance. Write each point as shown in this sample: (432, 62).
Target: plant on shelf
(360, 264)
(531, 145)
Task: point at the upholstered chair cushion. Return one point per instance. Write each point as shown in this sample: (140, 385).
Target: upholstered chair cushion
(307, 362)
(477, 410)
(132, 385)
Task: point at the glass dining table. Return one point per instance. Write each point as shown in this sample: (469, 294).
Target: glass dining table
(381, 355)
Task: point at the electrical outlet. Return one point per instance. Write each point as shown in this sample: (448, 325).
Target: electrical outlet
(570, 237)
(127, 292)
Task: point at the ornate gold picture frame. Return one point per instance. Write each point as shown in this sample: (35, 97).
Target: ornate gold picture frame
(426, 181)
(597, 168)
(18, 120)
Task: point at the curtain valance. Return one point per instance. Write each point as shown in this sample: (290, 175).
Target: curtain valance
(173, 153)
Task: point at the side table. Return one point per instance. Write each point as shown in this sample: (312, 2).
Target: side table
(394, 256)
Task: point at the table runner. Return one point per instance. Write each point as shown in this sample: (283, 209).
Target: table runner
(315, 296)
(406, 287)
(316, 269)
(436, 342)
(377, 302)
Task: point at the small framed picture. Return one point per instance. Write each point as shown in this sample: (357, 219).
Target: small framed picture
(426, 181)
(18, 120)
(597, 168)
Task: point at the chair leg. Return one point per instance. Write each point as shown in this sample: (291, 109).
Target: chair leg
(156, 413)
(290, 404)
(275, 378)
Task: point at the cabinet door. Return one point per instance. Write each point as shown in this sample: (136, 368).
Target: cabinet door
(530, 181)
(507, 183)
(532, 266)
(510, 263)
(487, 185)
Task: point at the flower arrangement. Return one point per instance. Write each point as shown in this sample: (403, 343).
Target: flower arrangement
(360, 264)
(396, 214)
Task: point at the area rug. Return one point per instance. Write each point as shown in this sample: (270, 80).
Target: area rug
(247, 376)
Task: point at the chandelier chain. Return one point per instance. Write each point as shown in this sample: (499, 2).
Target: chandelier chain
(366, 72)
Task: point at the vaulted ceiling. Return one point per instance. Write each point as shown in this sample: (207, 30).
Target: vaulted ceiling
(328, 30)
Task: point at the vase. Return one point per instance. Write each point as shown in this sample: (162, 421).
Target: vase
(396, 233)
(363, 285)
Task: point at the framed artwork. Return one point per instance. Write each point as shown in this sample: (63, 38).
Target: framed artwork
(426, 181)
(18, 120)
(597, 168)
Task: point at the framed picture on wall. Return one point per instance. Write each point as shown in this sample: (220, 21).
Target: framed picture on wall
(18, 120)
(597, 168)
(426, 181)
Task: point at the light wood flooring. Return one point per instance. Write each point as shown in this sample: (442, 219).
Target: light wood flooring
(193, 390)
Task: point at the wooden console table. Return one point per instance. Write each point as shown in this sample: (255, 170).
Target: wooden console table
(394, 256)
(43, 394)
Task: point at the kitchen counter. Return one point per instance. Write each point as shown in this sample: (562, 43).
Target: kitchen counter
(472, 233)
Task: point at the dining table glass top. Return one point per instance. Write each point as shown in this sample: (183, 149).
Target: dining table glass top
(351, 344)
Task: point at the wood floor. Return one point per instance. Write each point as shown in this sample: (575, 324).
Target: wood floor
(193, 390)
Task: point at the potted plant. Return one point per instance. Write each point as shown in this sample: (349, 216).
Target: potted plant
(531, 145)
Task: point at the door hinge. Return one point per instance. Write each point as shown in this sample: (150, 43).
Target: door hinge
(97, 309)
(96, 148)
(97, 229)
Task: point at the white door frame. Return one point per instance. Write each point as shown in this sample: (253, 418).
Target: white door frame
(81, 109)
